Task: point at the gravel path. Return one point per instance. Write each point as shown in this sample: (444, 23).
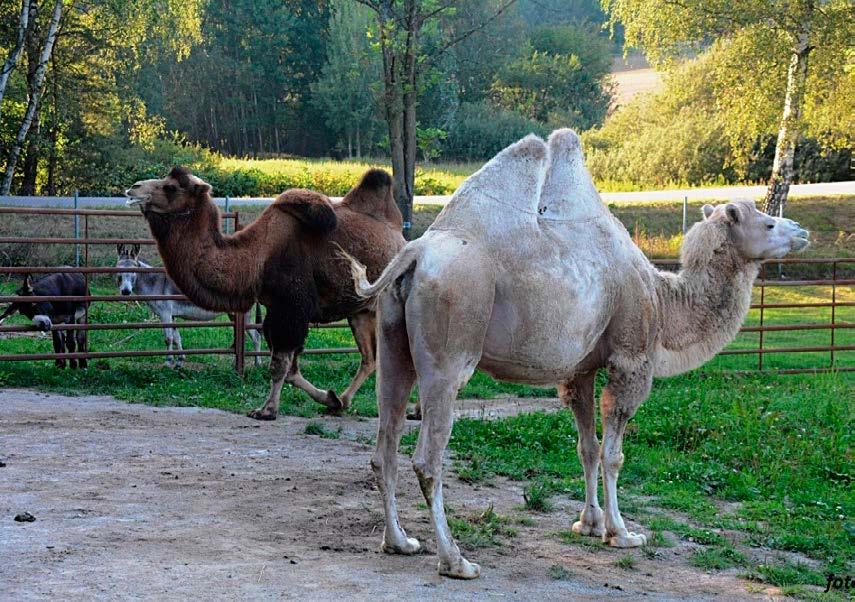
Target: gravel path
(135, 502)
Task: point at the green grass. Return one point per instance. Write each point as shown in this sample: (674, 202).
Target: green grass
(316, 428)
(480, 530)
(626, 562)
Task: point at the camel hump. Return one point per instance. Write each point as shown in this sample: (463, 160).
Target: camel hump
(511, 178)
(568, 190)
(313, 210)
(373, 196)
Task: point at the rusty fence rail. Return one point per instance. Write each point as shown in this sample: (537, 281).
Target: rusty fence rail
(236, 321)
(238, 325)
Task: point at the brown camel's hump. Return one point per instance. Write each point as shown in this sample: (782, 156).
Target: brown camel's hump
(373, 196)
(313, 210)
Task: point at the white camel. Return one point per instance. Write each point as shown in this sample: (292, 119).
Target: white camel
(527, 276)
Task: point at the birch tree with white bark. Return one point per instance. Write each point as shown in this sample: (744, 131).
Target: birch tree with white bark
(15, 52)
(669, 29)
(34, 99)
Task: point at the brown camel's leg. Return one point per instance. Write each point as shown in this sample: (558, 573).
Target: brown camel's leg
(327, 398)
(579, 395)
(363, 326)
(628, 386)
(395, 379)
(285, 328)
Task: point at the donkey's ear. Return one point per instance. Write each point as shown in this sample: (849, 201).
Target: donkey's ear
(28, 283)
(135, 251)
(707, 211)
(120, 249)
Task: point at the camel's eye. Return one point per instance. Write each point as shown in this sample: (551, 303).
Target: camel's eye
(169, 189)
(770, 226)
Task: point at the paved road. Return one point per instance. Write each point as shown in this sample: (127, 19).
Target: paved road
(721, 193)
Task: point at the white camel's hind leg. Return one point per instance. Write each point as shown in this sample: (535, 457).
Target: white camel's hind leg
(579, 395)
(395, 379)
(618, 403)
(446, 349)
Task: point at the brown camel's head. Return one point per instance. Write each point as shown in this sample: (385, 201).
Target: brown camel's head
(179, 192)
(757, 235)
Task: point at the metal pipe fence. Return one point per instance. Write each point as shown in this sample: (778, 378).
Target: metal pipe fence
(238, 325)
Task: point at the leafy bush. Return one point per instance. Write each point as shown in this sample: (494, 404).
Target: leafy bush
(687, 134)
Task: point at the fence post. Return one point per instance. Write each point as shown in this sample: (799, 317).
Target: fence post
(833, 306)
(240, 332)
(762, 308)
(228, 202)
(685, 213)
(76, 231)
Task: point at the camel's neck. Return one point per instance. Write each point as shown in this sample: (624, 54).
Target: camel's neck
(702, 307)
(213, 270)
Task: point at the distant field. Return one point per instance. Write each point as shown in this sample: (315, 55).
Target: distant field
(634, 82)
(268, 177)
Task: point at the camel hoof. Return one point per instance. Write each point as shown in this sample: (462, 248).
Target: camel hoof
(462, 569)
(412, 546)
(630, 540)
(261, 414)
(333, 402)
(588, 529)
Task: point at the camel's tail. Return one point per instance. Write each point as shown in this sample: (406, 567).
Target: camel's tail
(399, 264)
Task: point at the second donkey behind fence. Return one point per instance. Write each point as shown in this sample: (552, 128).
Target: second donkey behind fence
(151, 283)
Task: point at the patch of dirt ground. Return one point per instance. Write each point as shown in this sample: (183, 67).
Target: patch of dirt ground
(136, 502)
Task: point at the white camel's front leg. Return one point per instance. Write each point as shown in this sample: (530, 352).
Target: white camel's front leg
(579, 395)
(617, 405)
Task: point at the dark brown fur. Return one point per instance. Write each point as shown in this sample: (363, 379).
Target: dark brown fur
(288, 259)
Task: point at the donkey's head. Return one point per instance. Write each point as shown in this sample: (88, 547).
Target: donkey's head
(39, 312)
(127, 256)
(178, 193)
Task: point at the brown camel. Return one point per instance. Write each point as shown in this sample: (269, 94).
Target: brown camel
(287, 260)
(527, 276)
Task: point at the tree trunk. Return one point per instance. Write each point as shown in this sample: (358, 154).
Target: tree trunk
(15, 53)
(53, 135)
(788, 133)
(31, 157)
(358, 142)
(409, 115)
(33, 102)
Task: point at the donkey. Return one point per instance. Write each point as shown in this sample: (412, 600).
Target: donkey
(44, 314)
(160, 284)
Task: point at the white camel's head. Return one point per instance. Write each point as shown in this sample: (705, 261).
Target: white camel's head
(757, 235)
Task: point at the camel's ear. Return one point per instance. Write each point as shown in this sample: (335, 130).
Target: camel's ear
(201, 189)
(707, 211)
(732, 212)
(135, 251)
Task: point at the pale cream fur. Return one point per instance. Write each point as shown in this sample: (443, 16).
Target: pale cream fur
(527, 276)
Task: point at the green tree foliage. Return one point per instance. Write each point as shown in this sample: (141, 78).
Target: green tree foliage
(695, 131)
(562, 81)
(347, 90)
(777, 41)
